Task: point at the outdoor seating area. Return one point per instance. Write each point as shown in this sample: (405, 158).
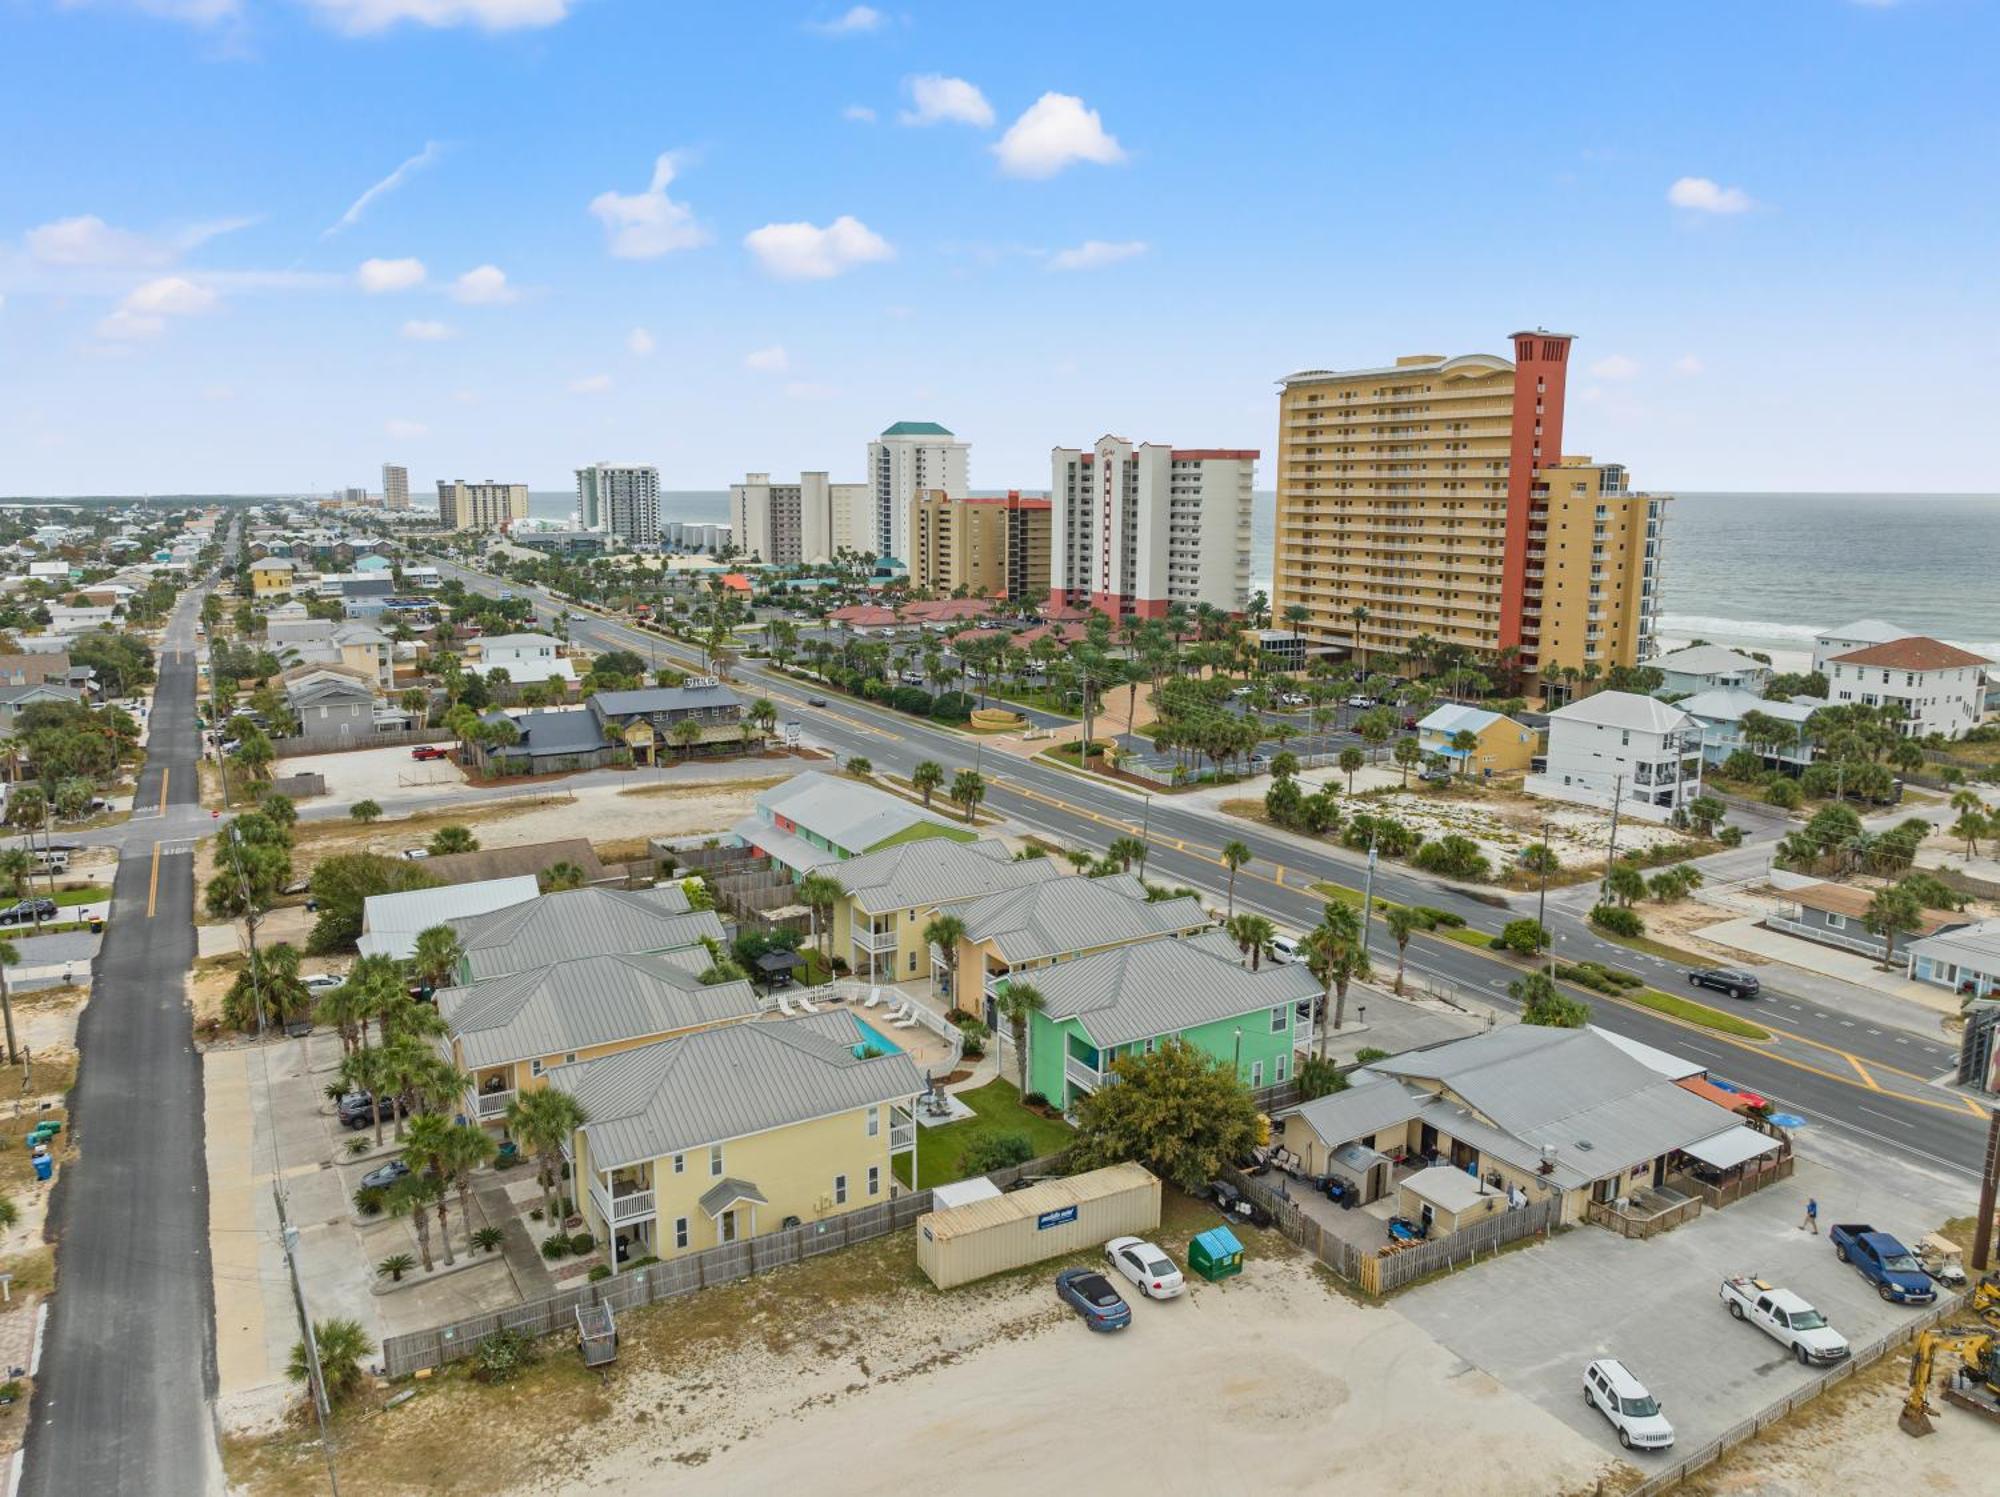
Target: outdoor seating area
(1645, 1212)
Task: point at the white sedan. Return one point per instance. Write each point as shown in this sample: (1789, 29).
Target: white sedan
(321, 982)
(1145, 1265)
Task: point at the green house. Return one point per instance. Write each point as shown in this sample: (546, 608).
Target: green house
(1123, 1002)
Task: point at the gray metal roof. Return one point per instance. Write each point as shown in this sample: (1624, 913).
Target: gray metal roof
(563, 730)
(1364, 1109)
(1152, 988)
(390, 923)
(594, 1000)
(1072, 913)
(1216, 942)
(725, 1193)
(663, 699)
(581, 922)
(934, 871)
(719, 1084)
(845, 812)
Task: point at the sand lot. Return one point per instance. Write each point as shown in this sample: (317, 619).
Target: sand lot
(380, 774)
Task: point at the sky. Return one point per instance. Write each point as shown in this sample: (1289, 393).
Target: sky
(266, 246)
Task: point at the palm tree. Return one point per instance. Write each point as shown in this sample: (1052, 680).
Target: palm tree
(343, 1347)
(1336, 953)
(9, 954)
(968, 788)
(413, 1196)
(544, 1121)
(466, 1146)
(1403, 922)
(436, 959)
(945, 932)
(369, 1071)
(926, 777)
(1234, 856)
(1017, 1003)
(1253, 935)
(563, 875)
(1125, 851)
(1465, 743)
(424, 1150)
(820, 892)
(1971, 826)
(450, 839)
(347, 1009)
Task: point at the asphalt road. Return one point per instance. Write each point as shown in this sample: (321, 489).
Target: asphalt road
(1874, 1082)
(128, 1366)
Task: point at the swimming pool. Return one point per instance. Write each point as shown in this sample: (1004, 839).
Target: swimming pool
(873, 1038)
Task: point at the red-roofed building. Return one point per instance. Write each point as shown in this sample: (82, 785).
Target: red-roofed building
(863, 618)
(736, 582)
(1138, 528)
(1935, 687)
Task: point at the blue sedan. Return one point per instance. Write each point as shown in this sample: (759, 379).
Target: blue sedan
(1090, 1294)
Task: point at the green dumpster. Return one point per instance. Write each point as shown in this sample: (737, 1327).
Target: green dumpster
(1216, 1254)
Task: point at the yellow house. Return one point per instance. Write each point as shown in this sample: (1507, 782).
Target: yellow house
(271, 574)
(890, 896)
(729, 1132)
(1501, 745)
(508, 1034)
(1019, 930)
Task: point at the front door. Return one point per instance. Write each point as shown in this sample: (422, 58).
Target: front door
(1427, 1140)
(1659, 1171)
(728, 1225)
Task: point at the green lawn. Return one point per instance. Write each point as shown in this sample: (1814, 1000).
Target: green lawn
(999, 1109)
(1694, 1013)
(91, 895)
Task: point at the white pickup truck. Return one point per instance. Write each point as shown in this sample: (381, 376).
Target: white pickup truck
(1786, 1319)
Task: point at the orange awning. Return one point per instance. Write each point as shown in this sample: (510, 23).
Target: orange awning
(1708, 1091)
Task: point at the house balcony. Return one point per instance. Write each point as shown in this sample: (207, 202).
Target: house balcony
(902, 1130)
(489, 1106)
(628, 1201)
(1078, 1074)
(867, 938)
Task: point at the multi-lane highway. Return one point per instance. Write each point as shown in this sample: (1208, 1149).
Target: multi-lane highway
(1864, 1075)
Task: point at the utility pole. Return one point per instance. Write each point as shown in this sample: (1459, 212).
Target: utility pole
(1145, 836)
(1982, 1232)
(1368, 890)
(322, 1406)
(1611, 852)
(1542, 899)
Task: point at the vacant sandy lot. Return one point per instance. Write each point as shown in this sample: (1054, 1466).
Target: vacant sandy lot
(381, 774)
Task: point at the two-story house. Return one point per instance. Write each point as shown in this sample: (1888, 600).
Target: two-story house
(528, 659)
(814, 818)
(1706, 667)
(334, 705)
(659, 721)
(889, 897)
(580, 922)
(271, 575)
(1720, 714)
(1617, 747)
(1933, 687)
(718, 1135)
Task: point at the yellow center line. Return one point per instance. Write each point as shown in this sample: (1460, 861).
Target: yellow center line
(153, 884)
(166, 772)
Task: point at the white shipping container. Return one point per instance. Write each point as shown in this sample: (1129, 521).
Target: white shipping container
(1050, 1220)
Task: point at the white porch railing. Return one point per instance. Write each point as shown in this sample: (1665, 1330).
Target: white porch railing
(875, 940)
(902, 1137)
(621, 1208)
(1082, 1075)
(492, 1104)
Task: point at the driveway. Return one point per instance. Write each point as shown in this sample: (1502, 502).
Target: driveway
(1533, 1318)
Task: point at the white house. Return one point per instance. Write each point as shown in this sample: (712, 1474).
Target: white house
(1623, 748)
(1936, 687)
(526, 658)
(1850, 637)
(1721, 712)
(1704, 667)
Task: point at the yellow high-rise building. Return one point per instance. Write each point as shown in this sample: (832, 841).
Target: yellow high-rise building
(1430, 501)
(984, 547)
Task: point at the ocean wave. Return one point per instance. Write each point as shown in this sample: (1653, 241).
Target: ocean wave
(1761, 632)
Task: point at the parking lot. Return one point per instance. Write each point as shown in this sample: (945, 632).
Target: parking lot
(1534, 1318)
(378, 774)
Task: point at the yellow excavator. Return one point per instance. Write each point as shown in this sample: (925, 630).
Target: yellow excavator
(1986, 1301)
(1973, 1385)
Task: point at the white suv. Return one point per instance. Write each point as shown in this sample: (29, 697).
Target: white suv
(1623, 1399)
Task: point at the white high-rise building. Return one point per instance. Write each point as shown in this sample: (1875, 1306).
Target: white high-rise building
(395, 486)
(808, 521)
(910, 458)
(1135, 529)
(620, 499)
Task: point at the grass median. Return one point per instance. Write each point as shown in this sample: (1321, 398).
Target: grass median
(1693, 1013)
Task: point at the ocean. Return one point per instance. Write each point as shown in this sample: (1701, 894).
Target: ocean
(1756, 571)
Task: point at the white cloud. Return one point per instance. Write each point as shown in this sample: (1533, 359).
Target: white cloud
(1093, 254)
(646, 225)
(358, 17)
(861, 114)
(640, 342)
(145, 310)
(407, 431)
(1701, 195)
(87, 241)
(1056, 130)
(806, 252)
(419, 330)
(590, 384)
(858, 20)
(1615, 366)
(939, 99)
(429, 154)
(484, 285)
(378, 276)
(1688, 364)
(772, 360)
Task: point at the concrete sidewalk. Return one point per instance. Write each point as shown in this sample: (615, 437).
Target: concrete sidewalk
(1848, 980)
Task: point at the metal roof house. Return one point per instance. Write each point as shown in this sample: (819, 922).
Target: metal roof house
(718, 1135)
(891, 895)
(815, 818)
(390, 923)
(580, 922)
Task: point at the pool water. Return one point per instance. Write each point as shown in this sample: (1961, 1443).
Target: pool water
(873, 1039)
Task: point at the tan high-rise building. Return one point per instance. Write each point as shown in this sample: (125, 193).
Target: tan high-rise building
(480, 506)
(395, 486)
(986, 547)
(1430, 500)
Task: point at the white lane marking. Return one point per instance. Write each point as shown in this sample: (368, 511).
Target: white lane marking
(1864, 1107)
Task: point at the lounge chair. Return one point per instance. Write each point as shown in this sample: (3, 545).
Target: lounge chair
(908, 1021)
(785, 1008)
(874, 997)
(807, 1004)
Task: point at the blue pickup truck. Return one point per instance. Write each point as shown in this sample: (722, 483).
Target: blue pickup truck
(1882, 1260)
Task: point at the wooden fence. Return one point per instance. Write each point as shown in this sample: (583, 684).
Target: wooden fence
(1604, 1214)
(1749, 1183)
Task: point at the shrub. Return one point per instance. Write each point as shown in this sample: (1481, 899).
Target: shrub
(1784, 794)
(368, 1200)
(996, 1151)
(1368, 1055)
(555, 1247)
(1729, 836)
(1453, 857)
(1034, 1099)
(1617, 920)
(488, 1239)
(395, 1266)
(1438, 917)
(10, 1391)
(601, 1272)
(358, 1146)
(580, 1243)
(1523, 936)
(501, 1356)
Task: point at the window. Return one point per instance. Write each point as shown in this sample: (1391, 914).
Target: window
(840, 1190)
(715, 1159)
(1279, 1074)
(1836, 922)
(1278, 1019)
(680, 1164)
(534, 1068)
(680, 1231)
(1256, 1073)
(874, 1121)
(874, 1179)
(570, 1059)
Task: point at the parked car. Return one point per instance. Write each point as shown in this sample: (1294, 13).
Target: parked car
(1284, 950)
(1361, 701)
(358, 1109)
(1294, 699)
(321, 982)
(1724, 980)
(1621, 1398)
(386, 1175)
(1090, 1294)
(1145, 1265)
(1893, 1269)
(29, 910)
(415, 854)
(1786, 1319)
(815, 701)
(430, 751)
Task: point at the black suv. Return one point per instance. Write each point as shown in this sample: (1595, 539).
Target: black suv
(27, 911)
(1735, 984)
(358, 1110)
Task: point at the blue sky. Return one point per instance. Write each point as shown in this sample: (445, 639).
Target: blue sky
(745, 236)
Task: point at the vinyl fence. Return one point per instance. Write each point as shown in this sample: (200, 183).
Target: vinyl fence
(1770, 1414)
(655, 1282)
(1381, 1274)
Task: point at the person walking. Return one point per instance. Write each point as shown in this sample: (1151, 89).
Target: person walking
(1812, 1217)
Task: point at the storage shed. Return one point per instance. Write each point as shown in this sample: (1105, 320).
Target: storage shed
(963, 1243)
(1444, 1199)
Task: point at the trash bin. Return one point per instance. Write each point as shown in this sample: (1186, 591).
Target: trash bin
(97, 925)
(1215, 1254)
(45, 1167)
